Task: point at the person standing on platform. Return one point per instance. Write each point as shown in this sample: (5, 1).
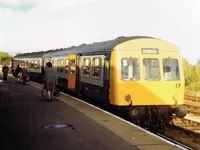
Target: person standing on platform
(50, 78)
(17, 73)
(5, 70)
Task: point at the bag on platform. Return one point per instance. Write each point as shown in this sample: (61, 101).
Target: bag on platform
(43, 91)
(27, 78)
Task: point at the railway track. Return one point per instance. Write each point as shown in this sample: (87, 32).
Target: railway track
(193, 110)
(192, 97)
(193, 104)
(175, 142)
(187, 124)
(184, 131)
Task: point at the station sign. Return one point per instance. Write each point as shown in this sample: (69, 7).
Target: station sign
(150, 51)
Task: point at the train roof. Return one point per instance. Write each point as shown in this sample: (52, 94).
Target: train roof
(94, 47)
(84, 48)
(33, 54)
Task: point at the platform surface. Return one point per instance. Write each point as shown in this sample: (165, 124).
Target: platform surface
(24, 114)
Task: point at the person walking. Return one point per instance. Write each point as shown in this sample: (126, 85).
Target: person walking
(24, 74)
(18, 73)
(50, 78)
(5, 70)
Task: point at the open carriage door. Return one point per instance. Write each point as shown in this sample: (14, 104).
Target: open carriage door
(72, 71)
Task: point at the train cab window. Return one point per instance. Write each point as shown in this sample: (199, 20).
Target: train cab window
(151, 69)
(171, 69)
(66, 66)
(96, 69)
(130, 69)
(72, 66)
(86, 67)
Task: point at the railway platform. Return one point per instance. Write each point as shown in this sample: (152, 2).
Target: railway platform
(26, 124)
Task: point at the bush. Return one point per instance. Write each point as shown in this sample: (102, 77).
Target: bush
(192, 75)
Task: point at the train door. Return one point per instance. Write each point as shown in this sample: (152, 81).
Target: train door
(72, 71)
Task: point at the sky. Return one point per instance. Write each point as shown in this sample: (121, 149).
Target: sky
(36, 25)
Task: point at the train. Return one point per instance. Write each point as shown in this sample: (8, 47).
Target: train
(140, 77)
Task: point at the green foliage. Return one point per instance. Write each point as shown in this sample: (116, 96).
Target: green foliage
(5, 58)
(192, 75)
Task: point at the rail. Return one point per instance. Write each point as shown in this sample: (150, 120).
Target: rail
(192, 102)
(191, 96)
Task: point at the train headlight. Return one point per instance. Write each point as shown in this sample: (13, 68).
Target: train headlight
(127, 97)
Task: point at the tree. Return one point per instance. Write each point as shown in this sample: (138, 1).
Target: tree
(5, 58)
(187, 72)
(192, 75)
(198, 62)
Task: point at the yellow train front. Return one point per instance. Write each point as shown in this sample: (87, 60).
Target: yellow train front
(147, 81)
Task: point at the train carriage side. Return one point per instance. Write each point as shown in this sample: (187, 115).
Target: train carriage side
(147, 73)
(83, 72)
(34, 62)
(94, 75)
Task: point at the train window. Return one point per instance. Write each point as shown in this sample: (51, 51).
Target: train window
(96, 69)
(58, 65)
(62, 62)
(130, 69)
(107, 69)
(171, 69)
(66, 65)
(32, 65)
(72, 67)
(52, 61)
(66, 62)
(38, 65)
(55, 62)
(61, 67)
(29, 65)
(86, 67)
(151, 69)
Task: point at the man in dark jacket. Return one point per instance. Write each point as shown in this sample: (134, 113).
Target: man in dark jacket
(17, 72)
(5, 70)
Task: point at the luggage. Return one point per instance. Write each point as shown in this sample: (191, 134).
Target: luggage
(56, 92)
(43, 91)
(27, 78)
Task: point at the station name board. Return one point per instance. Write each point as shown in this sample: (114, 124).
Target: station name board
(150, 51)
